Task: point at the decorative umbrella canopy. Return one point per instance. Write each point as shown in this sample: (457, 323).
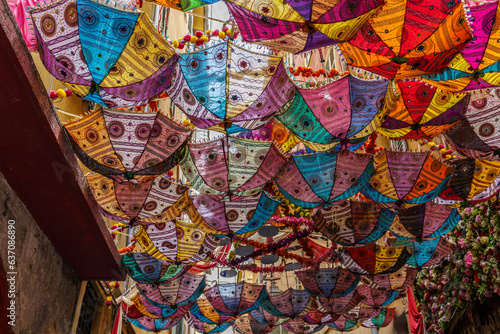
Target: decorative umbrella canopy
(183, 5)
(352, 222)
(262, 316)
(134, 202)
(344, 324)
(230, 168)
(472, 181)
(339, 305)
(399, 280)
(405, 178)
(228, 88)
(329, 282)
(205, 327)
(428, 253)
(113, 57)
(122, 146)
(417, 110)
(182, 291)
(360, 312)
(246, 325)
(289, 303)
(205, 312)
(298, 325)
(235, 298)
(273, 131)
(316, 179)
(373, 259)
(383, 319)
(176, 242)
(340, 114)
(409, 38)
(429, 220)
(378, 298)
(137, 308)
(143, 268)
(159, 311)
(477, 66)
(242, 218)
(298, 26)
(154, 325)
(476, 135)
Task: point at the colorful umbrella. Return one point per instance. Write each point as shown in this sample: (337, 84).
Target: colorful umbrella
(428, 253)
(246, 325)
(122, 146)
(205, 327)
(408, 38)
(138, 203)
(176, 242)
(160, 311)
(146, 323)
(338, 305)
(399, 280)
(373, 259)
(316, 179)
(298, 26)
(383, 319)
(242, 218)
(472, 181)
(143, 268)
(344, 324)
(298, 325)
(205, 312)
(328, 282)
(262, 316)
(476, 135)
(173, 298)
(378, 298)
(184, 5)
(235, 298)
(429, 220)
(352, 222)
(403, 178)
(340, 114)
(113, 57)
(231, 168)
(289, 303)
(417, 110)
(228, 88)
(477, 66)
(360, 312)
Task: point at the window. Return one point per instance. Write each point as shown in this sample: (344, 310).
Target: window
(87, 312)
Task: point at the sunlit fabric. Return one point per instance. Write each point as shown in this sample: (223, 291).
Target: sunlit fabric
(340, 114)
(429, 220)
(184, 5)
(122, 145)
(231, 168)
(313, 180)
(228, 88)
(407, 38)
(205, 327)
(205, 312)
(416, 110)
(143, 268)
(353, 222)
(298, 26)
(404, 179)
(112, 57)
(426, 254)
(477, 66)
(328, 282)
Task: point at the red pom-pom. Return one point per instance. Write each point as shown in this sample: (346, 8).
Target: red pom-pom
(199, 34)
(53, 95)
(187, 38)
(68, 92)
(108, 302)
(170, 172)
(181, 46)
(199, 42)
(117, 285)
(215, 32)
(225, 29)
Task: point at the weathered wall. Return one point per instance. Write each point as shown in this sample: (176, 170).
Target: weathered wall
(46, 288)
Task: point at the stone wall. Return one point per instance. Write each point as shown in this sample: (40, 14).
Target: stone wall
(46, 288)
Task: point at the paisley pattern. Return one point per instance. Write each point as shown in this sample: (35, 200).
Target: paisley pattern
(329, 282)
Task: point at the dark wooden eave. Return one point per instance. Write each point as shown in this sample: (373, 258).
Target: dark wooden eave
(39, 164)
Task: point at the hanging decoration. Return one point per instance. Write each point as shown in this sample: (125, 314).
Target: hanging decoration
(138, 203)
(373, 259)
(405, 39)
(476, 67)
(115, 58)
(417, 110)
(245, 324)
(383, 319)
(184, 5)
(378, 298)
(313, 180)
(289, 303)
(242, 218)
(204, 311)
(334, 306)
(201, 38)
(176, 242)
(329, 282)
(425, 221)
(360, 312)
(300, 26)
(340, 114)
(149, 324)
(352, 223)
(397, 281)
(126, 146)
(403, 179)
(231, 168)
(143, 268)
(235, 298)
(344, 324)
(205, 327)
(273, 131)
(298, 325)
(229, 88)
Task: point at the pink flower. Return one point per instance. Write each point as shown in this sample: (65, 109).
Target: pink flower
(468, 210)
(462, 242)
(468, 259)
(478, 218)
(465, 279)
